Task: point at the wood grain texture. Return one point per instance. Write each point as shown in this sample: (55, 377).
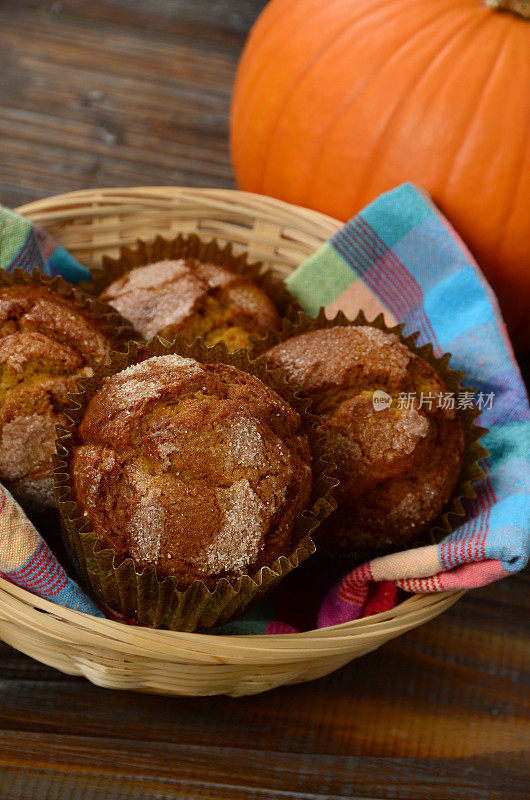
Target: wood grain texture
(116, 93)
(128, 93)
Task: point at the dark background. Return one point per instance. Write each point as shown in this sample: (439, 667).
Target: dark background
(123, 93)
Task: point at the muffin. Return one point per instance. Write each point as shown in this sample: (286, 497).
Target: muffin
(199, 299)
(47, 340)
(397, 445)
(199, 470)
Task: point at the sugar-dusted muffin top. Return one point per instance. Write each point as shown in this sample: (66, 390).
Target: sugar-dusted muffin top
(46, 341)
(200, 470)
(397, 464)
(199, 299)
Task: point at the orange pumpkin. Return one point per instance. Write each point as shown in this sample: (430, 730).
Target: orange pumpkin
(336, 101)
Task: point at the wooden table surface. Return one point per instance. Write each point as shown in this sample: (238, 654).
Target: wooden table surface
(121, 93)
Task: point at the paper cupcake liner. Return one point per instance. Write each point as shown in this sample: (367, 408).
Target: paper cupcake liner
(111, 322)
(453, 512)
(192, 247)
(140, 595)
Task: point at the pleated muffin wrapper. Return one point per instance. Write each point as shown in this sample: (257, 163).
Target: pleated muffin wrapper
(453, 512)
(139, 595)
(118, 329)
(192, 247)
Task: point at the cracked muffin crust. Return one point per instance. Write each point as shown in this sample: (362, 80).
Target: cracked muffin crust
(198, 469)
(46, 342)
(397, 465)
(198, 299)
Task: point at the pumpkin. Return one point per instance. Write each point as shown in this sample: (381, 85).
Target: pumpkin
(336, 101)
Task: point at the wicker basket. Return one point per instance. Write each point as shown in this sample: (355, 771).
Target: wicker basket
(90, 224)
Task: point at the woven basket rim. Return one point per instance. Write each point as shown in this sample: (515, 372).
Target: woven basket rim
(167, 192)
(64, 622)
(81, 620)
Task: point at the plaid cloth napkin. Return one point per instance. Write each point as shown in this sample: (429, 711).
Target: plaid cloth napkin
(25, 558)
(28, 247)
(399, 256)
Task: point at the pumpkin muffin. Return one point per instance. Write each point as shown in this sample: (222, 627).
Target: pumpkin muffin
(198, 469)
(46, 341)
(398, 460)
(201, 300)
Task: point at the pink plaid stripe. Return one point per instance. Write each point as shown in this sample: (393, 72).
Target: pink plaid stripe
(42, 573)
(279, 627)
(468, 544)
(385, 275)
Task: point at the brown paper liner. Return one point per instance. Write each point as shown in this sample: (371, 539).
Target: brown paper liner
(192, 247)
(110, 321)
(140, 596)
(471, 471)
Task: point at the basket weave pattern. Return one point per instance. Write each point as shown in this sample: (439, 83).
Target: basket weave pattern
(94, 223)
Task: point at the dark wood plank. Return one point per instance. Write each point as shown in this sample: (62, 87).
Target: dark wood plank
(124, 93)
(258, 773)
(116, 94)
